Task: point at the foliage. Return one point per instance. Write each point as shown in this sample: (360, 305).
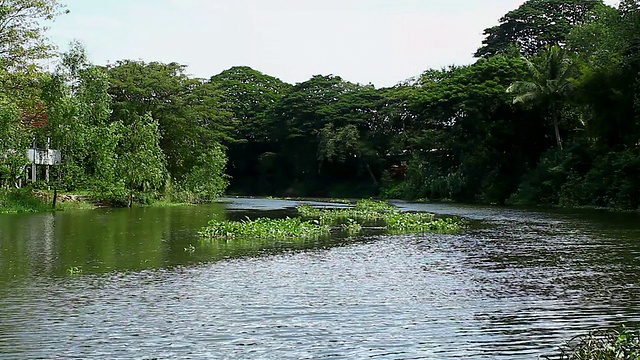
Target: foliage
(367, 212)
(602, 345)
(13, 144)
(351, 227)
(264, 229)
(137, 131)
(535, 25)
(141, 164)
(188, 111)
(207, 179)
(22, 39)
(549, 85)
(74, 270)
(20, 201)
(403, 223)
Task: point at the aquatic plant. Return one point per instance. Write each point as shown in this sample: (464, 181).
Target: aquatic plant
(404, 223)
(602, 345)
(265, 228)
(364, 211)
(351, 227)
(190, 249)
(373, 205)
(393, 220)
(74, 270)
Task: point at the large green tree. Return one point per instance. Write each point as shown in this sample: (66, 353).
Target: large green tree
(78, 109)
(141, 162)
(548, 85)
(190, 115)
(22, 31)
(535, 25)
(14, 140)
(250, 96)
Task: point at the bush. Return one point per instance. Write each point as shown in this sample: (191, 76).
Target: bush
(20, 201)
(614, 182)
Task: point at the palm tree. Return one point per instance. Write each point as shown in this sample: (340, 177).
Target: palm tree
(549, 84)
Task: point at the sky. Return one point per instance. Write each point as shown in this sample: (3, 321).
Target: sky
(381, 42)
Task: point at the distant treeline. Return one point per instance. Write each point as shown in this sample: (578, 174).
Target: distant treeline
(549, 114)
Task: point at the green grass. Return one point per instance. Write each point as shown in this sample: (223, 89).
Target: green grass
(21, 201)
(26, 200)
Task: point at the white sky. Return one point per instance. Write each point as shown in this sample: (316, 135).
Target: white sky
(365, 41)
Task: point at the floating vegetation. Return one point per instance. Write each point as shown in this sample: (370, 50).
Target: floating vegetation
(74, 270)
(602, 345)
(393, 220)
(364, 211)
(404, 223)
(190, 249)
(352, 227)
(373, 205)
(265, 228)
(319, 222)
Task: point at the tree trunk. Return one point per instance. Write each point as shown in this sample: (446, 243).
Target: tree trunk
(375, 181)
(557, 129)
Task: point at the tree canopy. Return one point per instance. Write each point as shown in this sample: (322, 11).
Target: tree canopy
(22, 33)
(548, 114)
(535, 25)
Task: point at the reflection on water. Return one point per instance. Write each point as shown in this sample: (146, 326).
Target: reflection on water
(513, 286)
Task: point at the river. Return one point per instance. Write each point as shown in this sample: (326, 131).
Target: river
(514, 285)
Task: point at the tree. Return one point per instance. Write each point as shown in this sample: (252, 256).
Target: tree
(549, 84)
(190, 116)
(141, 164)
(78, 108)
(303, 111)
(535, 25)
(22, 39)
(207, 179)
(14, 141)
(250, 96)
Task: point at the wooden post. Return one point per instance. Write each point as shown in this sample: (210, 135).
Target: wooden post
(46, 170)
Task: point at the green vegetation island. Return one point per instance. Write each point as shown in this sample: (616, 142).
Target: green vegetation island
(548, 114)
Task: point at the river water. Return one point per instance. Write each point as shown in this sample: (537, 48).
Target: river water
(514, 285)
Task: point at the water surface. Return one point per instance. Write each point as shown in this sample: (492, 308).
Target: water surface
(515, 285)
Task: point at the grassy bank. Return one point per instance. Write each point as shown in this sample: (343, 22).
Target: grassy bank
(27, 200)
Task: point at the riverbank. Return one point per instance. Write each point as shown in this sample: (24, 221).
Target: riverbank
(26, 200)
(33, 201)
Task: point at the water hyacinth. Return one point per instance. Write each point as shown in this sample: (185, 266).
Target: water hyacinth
(394, 220)
(405, 223)
(601, 345)
(318, 222)
(351, 227)
(265, 228)
(364, 211)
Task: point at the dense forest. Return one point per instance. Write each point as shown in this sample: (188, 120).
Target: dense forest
(549, 114)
